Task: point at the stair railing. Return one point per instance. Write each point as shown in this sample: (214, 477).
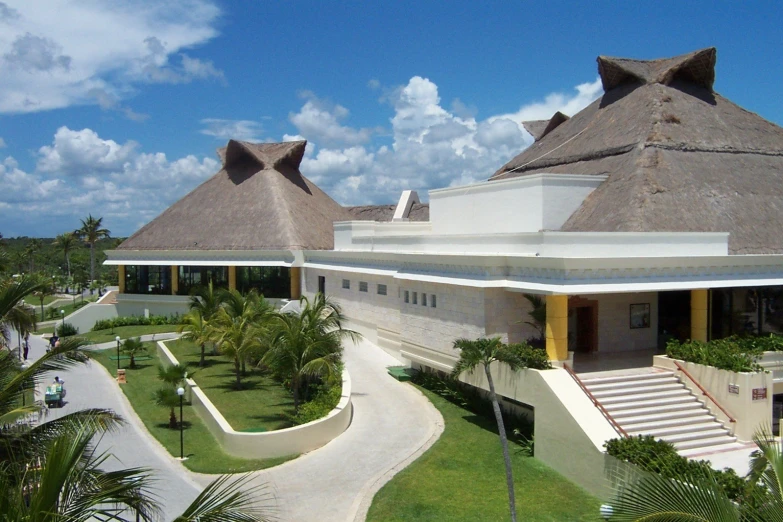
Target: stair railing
(619, 429)
(704, 392)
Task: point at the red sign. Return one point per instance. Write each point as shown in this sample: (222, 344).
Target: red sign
(759, 394)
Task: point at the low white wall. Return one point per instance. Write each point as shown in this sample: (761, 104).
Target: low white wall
(750, 414)
(140, 304)
(279, 443)
(85, 317)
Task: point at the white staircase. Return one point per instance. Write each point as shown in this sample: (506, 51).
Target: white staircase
(658, 404)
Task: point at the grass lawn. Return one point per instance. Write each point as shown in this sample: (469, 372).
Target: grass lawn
(202, 449)
(34, 300)
(45, 329)
(462, 478)
(261, 404)
(104, 336)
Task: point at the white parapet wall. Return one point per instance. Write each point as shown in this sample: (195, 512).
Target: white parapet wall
(85, 317)
(271, 444)
(747, 397)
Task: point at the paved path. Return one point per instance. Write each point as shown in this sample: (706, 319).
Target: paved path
(392, 424)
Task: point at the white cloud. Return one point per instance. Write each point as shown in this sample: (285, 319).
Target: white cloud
(319, 120)
(66, 53)
(73, 151)
(2, 143)
(245, 130)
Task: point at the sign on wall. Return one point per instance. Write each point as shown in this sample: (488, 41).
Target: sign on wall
(759, 394)
(734, 389)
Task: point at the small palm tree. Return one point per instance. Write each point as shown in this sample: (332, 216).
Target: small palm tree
(32, 248)
(67, 242)
(91, 232)
(207, 302)
(537, 313)
(485, 352)
(173, 376)
(133, 347)
(308, 344)
(13, 314)
(195, 329)
(45, 288)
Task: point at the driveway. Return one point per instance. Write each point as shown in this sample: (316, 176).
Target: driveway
(393, 423)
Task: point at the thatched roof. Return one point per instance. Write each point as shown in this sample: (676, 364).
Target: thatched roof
(540, 128)
(418, 212)
(258, 201)
(678, 156)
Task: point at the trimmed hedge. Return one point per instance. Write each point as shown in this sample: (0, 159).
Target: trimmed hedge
(658, 456)
(325, 400)
(137, 320)
(66, 330)
(735, 354)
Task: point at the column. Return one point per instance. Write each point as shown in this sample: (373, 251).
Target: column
(121, 278)
(557, 327)
(296, 282)
(232, 278)
(174, 279)
(699, 315)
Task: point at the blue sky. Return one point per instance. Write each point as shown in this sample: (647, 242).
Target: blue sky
(116, 108)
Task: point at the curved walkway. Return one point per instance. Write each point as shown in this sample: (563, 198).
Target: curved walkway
(393, 423)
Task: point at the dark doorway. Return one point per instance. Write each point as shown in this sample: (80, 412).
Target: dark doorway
(674, 316)
(585, 334)
(322, 284)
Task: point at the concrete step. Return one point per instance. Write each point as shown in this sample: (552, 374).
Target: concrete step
(637, 390)
(715, 431)
(594, 388)
(718, 440)
(639, 398)
(651, 423)
(625, 378)
(695, 429)
(659, 411)
(704, 452)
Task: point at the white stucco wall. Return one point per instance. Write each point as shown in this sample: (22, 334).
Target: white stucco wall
(140, 304)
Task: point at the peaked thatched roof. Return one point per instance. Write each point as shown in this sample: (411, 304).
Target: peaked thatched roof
(540, 128)
(418, 212)
(678, 156)
(258, 201)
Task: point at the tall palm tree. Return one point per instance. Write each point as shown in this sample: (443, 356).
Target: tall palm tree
(32, 248)
(308, 344)
(195, 329)
(206, 300)
(66, 243)
(91, 232)
(172, 376)
(485, 352)
(13, 314)
(45, 288)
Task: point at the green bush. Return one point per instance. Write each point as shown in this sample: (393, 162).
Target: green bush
(67, 329)
(532, 357)
(137, 320)
(324, 401)
(735, 354)
(658, 456)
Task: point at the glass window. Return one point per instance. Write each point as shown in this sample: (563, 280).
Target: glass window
(407, 296)
(415, 298)
(269, 281)
(155, 280)
(423, 299)
(381, 289)
(346, 284)
(362, 286)
(433, 301)
(193, 276)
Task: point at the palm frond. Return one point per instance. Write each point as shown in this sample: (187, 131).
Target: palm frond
(229, 499)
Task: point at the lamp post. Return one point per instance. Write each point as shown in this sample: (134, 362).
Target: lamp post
(118, 351)
(24, 384)
(181, 393)
(62, 316)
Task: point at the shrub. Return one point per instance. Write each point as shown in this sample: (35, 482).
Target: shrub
(67, 329)
(658, 456)
(532, 357)
(324, 401)
(735, 354)
(136, 320)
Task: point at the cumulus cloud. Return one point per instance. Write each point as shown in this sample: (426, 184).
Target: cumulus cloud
(67, 53)
(319, 120)
(223, 130)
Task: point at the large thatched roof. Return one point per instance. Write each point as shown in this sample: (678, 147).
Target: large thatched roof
(258, 201)
(679, 157)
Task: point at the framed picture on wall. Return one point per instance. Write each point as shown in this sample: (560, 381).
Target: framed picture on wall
(640, 315)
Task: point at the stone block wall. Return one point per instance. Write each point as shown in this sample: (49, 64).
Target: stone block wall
(614, 330)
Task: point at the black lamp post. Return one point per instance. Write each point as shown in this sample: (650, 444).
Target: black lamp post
(181, 393)
(24, 385)
(118, 351)
(62, 316)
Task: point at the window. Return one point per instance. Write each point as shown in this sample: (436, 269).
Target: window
(269, 281)
(407, 295)
(362, 286)
(423, 299)
(415, 298)
(381, 289)
(322, 284)
(432, 301)
(192, 276)
(346, 284)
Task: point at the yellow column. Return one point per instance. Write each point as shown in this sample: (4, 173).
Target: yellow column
(557, 327)
(296, 282)
(174, 279)
(232, 278)
(699, 315)
(121, 278)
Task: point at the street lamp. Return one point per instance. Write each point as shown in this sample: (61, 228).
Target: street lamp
(118, 351)
(25, 366)
(181, 393)
(62, 316)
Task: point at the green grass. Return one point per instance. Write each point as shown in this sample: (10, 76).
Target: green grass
(46, 329)
(104, 336)
(34, 300)
(462, 478)
(202, 449)
(261, 403)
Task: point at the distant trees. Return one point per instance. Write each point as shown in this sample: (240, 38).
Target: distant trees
(90, 232)
(66, 243)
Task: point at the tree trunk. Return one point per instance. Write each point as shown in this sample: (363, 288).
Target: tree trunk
(202, 362)
(42, 311)
(92, 262)
(132, 362)
(237, 370)
(244, 366)
(512, 504)
(295, 388)
(172, 420)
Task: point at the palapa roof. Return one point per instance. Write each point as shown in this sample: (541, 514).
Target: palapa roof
(258, 201)
(418, 212)
(679, 157)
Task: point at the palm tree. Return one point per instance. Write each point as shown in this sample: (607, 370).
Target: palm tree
(485, 352)
(45, 288)
(537, 313)
(133, 347)
(308, 344)
(14, 314)
(91, 232)
(237, 328)
(33, 246)
(173, 376)
(207, 302)
(196, 330)
(67, 242)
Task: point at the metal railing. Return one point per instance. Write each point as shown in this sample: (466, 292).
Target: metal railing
(619, 429)
(704, 392)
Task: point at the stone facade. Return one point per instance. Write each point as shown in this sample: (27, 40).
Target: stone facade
(614, 331)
